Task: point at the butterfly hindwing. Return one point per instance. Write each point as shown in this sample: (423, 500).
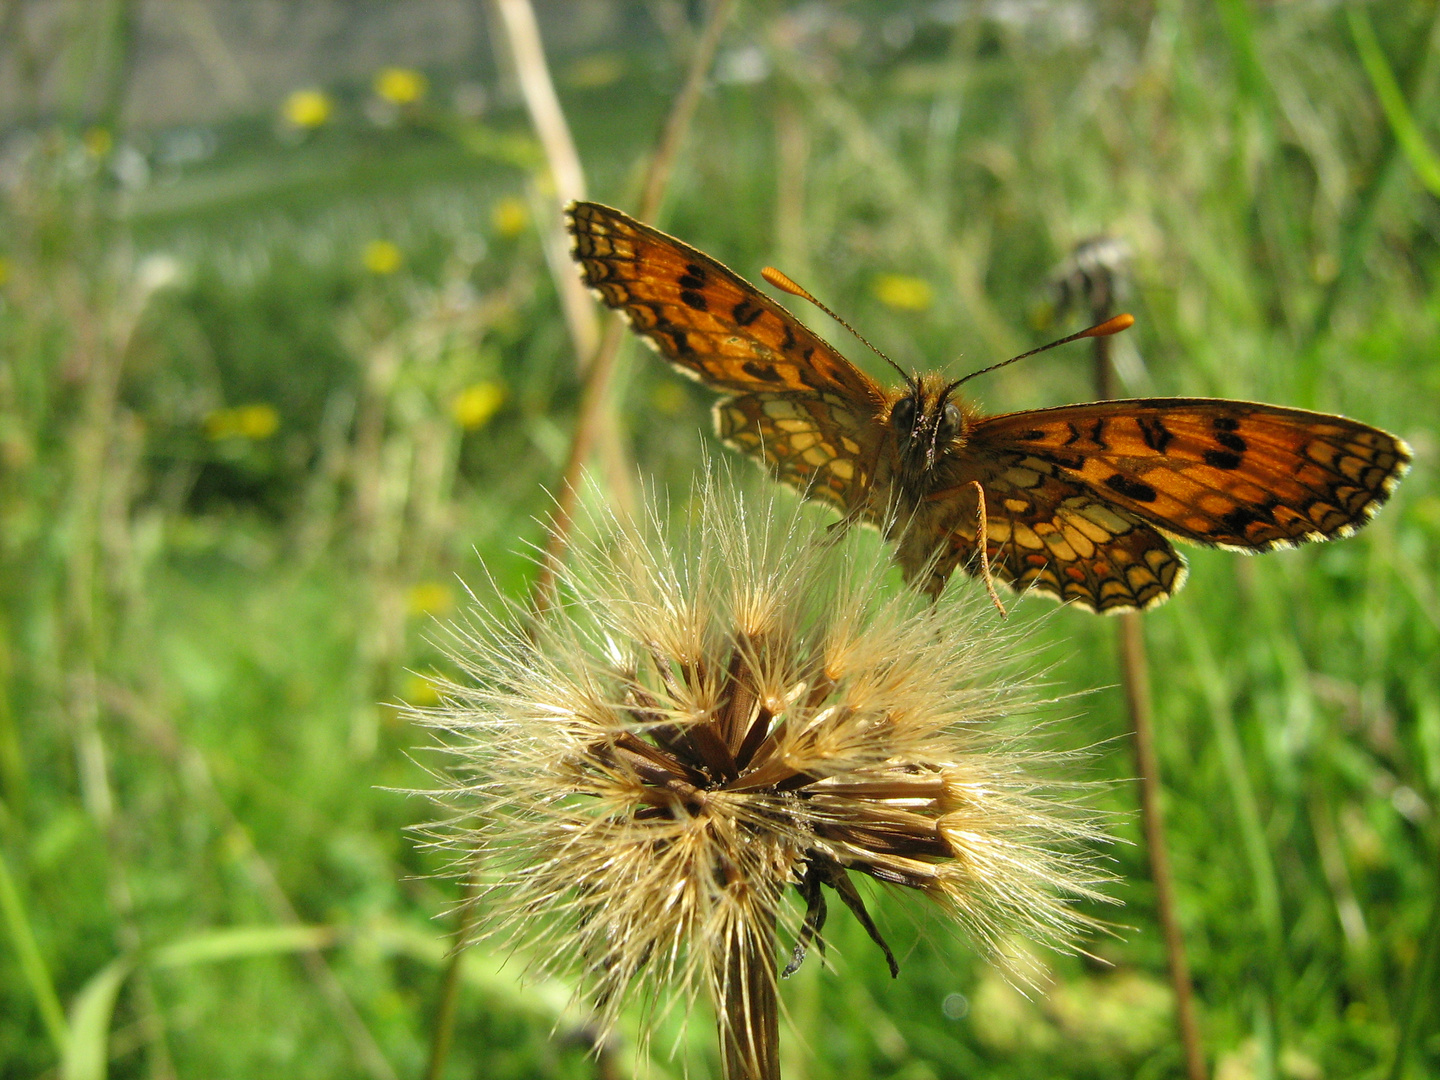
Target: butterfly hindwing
(823, 450)
(1048, 533)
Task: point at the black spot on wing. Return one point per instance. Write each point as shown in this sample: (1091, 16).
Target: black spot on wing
(809, 377)
(694, 300)
(1156, 435)
(765, 372)
(1225, 423)
(1222, 459)
(1231, 441)
(746, 312)
(1238, 519)
(1131, 488)
(1065, 461)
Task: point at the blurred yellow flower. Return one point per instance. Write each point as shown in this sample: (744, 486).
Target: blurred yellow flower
(98, 141)
(401, 86)
(257, 421)
(904, 293)
(510, 216)
(429, 598)
(668, 397)
(307, 108)
(382, 257)
(475, 405)
(420, 692)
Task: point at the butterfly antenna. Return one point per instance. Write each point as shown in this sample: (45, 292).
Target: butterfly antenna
(784, 284)
(1104, 329)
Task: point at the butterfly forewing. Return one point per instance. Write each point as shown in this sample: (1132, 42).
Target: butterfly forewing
(1079, 501)
(1223, 473)
(706, 319)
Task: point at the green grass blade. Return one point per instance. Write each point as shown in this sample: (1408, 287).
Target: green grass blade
(237, 942)
(31, 962)
(87, 1054)
(1392, 100)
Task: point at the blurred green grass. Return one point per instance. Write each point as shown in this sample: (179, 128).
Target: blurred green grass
(204, 622)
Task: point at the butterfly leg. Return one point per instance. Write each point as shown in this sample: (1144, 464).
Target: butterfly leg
(982, 544)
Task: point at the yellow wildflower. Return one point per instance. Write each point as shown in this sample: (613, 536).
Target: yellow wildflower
(904, 293)
(401, 86)
(596, 70)
(382, 257)
(475, 405)
(307, 108)
(98, 141)
(668, 397)
(255, 421)
(420, 692)
(510, 216)
(429, 598)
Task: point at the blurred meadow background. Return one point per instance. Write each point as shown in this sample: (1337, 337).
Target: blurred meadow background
(289, 347)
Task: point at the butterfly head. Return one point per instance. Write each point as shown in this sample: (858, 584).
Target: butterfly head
(927, 421)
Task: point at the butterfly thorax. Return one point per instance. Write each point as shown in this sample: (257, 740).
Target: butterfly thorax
(929, 424)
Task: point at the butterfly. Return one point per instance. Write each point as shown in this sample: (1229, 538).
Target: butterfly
(1080, 503)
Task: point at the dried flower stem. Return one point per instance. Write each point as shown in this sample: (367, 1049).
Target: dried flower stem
(568, 184)
(601, 373)
(598, 374)
(1135, 678)
(750, 1011)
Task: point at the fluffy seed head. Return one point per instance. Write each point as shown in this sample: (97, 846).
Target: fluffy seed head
(640, 778)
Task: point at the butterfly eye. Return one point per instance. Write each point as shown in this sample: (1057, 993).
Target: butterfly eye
(950, 422)
(902, 416)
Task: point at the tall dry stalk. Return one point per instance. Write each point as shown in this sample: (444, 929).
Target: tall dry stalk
(599, 373)
(1095, 275)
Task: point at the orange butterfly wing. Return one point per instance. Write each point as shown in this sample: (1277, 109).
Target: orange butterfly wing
(1230, 474)
(707, 320)
(804, 410)
(1080, 499)
(1045, 531)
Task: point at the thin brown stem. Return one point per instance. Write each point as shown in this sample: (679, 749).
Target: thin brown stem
(444, 1032)
(600, 374)
(1135, 678)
